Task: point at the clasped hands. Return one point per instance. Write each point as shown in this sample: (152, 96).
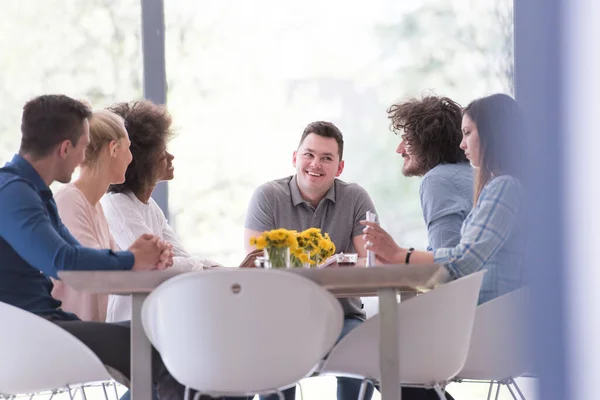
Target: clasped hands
(151, 252)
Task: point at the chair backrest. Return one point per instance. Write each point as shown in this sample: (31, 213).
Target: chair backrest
(241, 331)
(499, 347)
(434, 328)
(37, 355)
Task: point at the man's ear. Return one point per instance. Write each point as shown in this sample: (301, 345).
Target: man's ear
(340, 168)
(64, 148)
(294, 159)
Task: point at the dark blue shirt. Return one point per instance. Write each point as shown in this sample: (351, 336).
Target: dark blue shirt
(35, 245)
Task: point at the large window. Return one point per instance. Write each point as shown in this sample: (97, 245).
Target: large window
(85, 49)
(246, 77)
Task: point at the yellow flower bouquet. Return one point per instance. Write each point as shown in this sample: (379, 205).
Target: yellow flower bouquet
(286, 248)
(313, 247)
(278, 244)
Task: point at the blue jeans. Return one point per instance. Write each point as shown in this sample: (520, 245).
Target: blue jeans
(347, 388)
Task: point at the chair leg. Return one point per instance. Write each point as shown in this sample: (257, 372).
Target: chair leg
(116, 392)
(489, 396)
(511, 391)
(514, 383)
(186, 393)
(301, 391)
(104, 390)
(440, 392)
(363, 389)
(70, 392)
(280, 395)
(498, 389)
(83, 393)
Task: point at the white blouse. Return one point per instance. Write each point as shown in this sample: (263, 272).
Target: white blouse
(128, 219)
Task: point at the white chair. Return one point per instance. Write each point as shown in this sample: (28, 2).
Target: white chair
(435, 330)
(242, 331)
(499, 351)
(37, 355)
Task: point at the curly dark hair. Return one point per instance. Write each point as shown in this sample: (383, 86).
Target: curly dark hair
(431, 127)
(149, 128)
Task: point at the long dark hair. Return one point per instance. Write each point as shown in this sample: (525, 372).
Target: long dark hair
(501, 130)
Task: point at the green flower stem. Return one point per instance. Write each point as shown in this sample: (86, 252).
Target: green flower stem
(279, 257)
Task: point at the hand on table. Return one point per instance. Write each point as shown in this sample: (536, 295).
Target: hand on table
(248, 261)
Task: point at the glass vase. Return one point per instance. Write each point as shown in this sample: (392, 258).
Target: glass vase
(277, 257)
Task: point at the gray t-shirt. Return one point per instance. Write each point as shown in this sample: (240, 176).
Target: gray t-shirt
(446, 199)
(279, 204)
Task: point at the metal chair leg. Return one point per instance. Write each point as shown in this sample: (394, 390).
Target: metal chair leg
(197, 396)
(116, 392)
(104, 390)
(280, 395)
(440, 392)
(498, 390)
(71, 395)
(514, 383)
(489, 396)
(301, 391)
(363, 389)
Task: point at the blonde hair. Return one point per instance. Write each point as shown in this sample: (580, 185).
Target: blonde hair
(105, 126)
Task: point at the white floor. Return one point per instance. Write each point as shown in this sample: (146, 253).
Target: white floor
(324, 388)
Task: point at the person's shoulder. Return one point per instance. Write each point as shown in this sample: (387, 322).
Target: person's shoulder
(449, 171)
(68, 190)
(117, 206)
(10, 181)
(279, 186)
(457, 177)
(155, 208)
(348, 187)
(505, 187)
(504, 182)
(114, 199)
(69, 195)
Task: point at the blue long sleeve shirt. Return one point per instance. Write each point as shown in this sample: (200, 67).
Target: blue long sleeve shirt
(446, 199)
(35, 245)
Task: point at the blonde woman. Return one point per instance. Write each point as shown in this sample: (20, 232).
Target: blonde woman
(106, 160)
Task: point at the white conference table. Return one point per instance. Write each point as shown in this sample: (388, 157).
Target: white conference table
(383, 281)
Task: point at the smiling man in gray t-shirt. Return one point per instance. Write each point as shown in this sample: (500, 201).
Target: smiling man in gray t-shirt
(315, 198)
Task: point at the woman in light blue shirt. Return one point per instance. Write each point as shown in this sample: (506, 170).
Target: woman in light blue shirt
(490, 236)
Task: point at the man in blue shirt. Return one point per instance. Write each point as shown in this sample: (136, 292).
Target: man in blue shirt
(430, 129)
(35, 245)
